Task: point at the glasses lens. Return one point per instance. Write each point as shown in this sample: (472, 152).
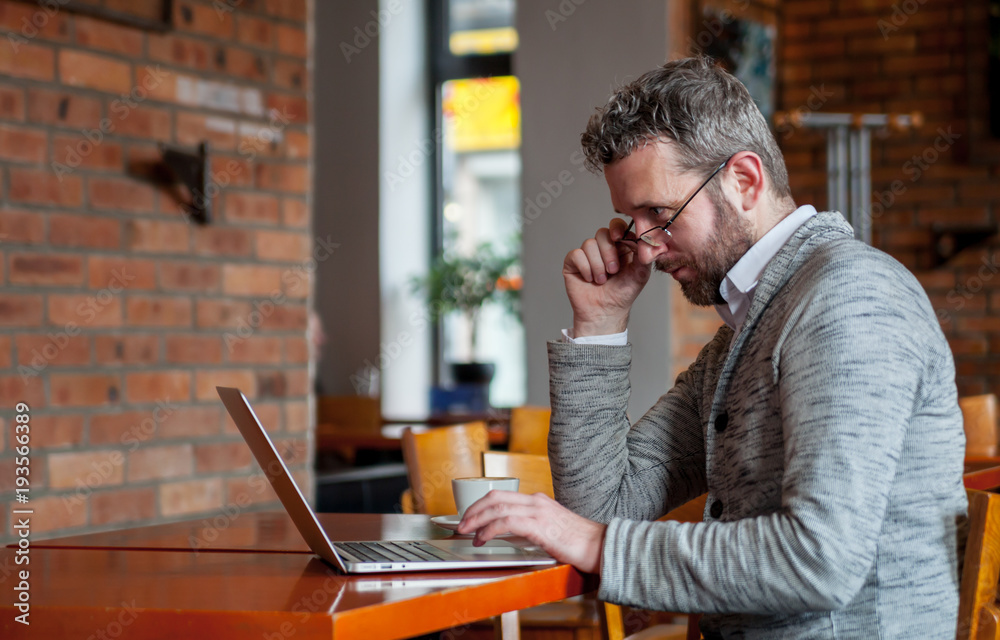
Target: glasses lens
(656, 237)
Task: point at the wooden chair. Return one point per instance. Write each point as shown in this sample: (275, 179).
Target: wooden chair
(532, 470)
(980, 421)
(978, 608)
(435, 456)
(336, 415)
(529, 430)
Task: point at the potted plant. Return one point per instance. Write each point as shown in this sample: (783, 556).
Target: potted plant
(457, 283)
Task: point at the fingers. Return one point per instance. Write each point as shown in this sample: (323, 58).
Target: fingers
(597, 258)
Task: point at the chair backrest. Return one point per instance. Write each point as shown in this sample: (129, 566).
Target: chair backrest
(435, 456)
(979, 415)
(978, 609)
(529, 430)
(533, 470)
(348, 413)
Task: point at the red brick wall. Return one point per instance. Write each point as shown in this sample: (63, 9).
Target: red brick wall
(892, 56)
(118, 315)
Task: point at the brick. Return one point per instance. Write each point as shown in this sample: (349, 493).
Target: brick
(56, 349)
(14, 389)
(57, 513)
(77, 151)
(126, 506)
(936, 85)
(108, 36)
(239, 206)
(160, 462)
(50, 432)
(801, 8)
(91, 232)
(282, 177)
(156, 236)
(92, 71)
(190, 497)
(116, 194)
(203, 19)
(159, 312)
(192, 129)
(207, 381)
(293, 317)
(160, 84)
(290, 74)
(165, 386)
(222, 314)
(130, 428)
(63, 109)
(27, 227)
(6, 357)
(127, 349)
(253, 489)
(191, 423)
(11, 103)
(968, 346)
(46, 269)
(17, 310)
(251, 280)
(230, 172)
(293, 108)
(216, 241)
(979, 191)
(180, 50)
(984, 324)
(144, 122)
(292, 10)
(19, 144)
(294, 213)
(296, 350)
(115, 272)
(91, 469)
(189, 276)
(194, 349)
(35, 186)
(868, 44)
(292, 41)
(916, 64)
(254, 31)
(32, 61)
(28, 22)
(84, 390)
(245, 64)
(282, 246)
(104, 309)
(297, 145)
(254, 350)
(221, 457)
(297, 417)
(954, 215)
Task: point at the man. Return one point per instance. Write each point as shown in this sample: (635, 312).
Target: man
(821, 420)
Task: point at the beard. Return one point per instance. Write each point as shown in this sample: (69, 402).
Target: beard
(731, 239)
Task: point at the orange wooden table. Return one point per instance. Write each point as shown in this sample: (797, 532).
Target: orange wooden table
(255, 579)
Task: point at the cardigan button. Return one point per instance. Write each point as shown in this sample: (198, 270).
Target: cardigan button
(721, 422)
(716, 510)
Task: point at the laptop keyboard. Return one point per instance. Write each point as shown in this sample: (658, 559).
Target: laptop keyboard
(393, 551)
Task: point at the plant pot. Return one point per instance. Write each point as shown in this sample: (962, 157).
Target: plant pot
(472, 372)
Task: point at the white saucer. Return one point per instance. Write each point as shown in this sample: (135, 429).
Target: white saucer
(447, 522)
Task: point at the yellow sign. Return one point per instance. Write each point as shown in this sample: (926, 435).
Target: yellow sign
(482, 114)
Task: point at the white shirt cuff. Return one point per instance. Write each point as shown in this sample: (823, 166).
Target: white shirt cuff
(613, 339)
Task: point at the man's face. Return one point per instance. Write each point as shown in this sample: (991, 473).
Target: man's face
(708, 237)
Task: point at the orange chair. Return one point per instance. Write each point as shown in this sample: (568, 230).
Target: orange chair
(529, 430)
(980, 421)
(978, 608)
(435, 456)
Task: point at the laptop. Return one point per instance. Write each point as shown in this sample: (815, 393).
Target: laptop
(367, 556)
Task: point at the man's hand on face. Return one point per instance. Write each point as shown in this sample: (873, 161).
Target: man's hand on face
(564, 535)
(602, 281)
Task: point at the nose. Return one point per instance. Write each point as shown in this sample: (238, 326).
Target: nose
(647, 253)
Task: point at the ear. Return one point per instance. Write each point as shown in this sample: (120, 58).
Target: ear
(748, 178)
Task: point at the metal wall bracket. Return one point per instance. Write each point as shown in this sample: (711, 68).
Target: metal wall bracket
(950, 240)
(191, 169)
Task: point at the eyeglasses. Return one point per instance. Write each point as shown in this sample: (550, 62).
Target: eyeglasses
(659, 236)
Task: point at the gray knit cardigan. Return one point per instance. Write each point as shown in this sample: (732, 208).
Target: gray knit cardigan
(827, 435)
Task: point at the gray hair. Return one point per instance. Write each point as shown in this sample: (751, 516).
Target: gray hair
(706, 111)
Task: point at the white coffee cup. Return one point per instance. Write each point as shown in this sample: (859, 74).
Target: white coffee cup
(468, 490)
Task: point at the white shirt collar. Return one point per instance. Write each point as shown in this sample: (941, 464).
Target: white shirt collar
(738, 287)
